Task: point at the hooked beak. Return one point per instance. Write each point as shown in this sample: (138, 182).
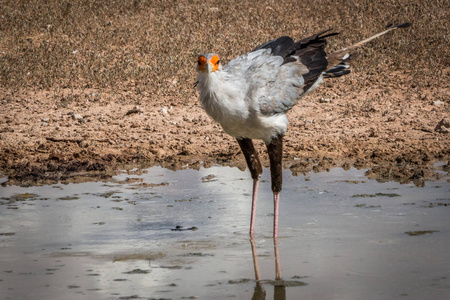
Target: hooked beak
(210, 67)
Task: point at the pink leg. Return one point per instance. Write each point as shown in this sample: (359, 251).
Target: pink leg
(254, 197)
(276, 200)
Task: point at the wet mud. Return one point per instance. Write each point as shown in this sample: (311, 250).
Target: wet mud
(398, 137)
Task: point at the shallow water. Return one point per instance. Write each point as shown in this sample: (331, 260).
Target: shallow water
(342, 236)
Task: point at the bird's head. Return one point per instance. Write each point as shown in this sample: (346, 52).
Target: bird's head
(209, 63)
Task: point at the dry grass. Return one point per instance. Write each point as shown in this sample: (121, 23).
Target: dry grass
(151, 46)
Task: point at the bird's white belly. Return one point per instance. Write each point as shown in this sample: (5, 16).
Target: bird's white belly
(256, 127)
(240, 120)
(240, 116)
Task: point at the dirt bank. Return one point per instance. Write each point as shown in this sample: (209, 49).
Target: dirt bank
(399, 136)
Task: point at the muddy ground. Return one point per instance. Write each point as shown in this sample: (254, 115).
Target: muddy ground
(389, 129)
(89, 90)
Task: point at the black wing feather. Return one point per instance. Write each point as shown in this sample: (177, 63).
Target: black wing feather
(310, 51)
(280, 47)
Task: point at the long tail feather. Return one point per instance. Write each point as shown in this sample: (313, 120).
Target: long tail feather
(340, 57)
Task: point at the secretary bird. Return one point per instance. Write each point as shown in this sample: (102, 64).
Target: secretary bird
(250, 96)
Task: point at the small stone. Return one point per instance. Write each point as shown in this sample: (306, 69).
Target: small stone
(443, 126)
(77, 117)
(135, 110)
(325, 100)
(391, 119)
(438, 103)
(164, 110)
(159, 153)
(84, 144)
(373, 132)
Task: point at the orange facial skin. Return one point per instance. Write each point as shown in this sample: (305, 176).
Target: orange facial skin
(203, 63)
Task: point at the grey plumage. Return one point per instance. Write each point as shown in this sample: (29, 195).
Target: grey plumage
(250, 96)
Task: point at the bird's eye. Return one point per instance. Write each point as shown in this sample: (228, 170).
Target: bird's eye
(218, 62)
(201, 60)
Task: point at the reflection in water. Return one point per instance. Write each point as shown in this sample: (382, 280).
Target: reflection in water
(280, 288)
(259, 293)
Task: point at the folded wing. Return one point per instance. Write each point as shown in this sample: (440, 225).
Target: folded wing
(279, 72)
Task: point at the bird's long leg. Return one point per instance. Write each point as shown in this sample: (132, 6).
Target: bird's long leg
(254, 165)
(275, 149)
